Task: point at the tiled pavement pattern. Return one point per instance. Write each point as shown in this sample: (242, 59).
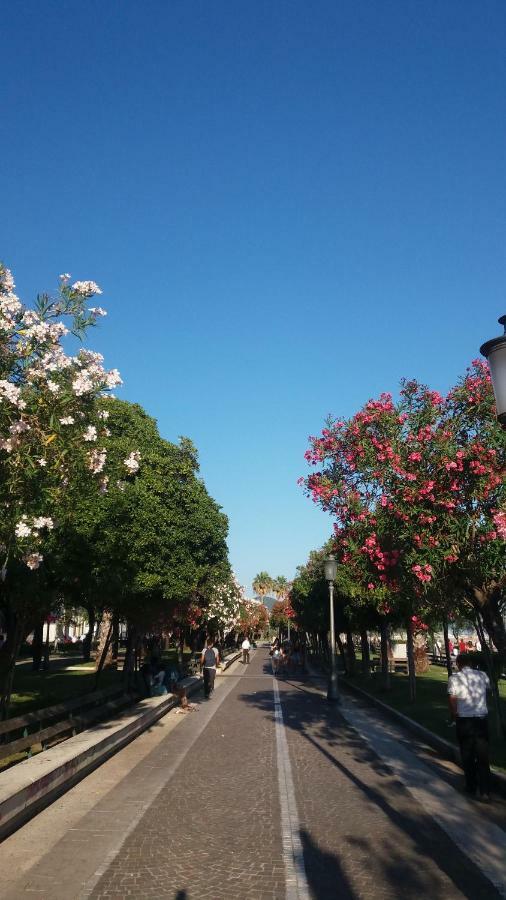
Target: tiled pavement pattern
(363, 836)
(212, 830)
(215, 832)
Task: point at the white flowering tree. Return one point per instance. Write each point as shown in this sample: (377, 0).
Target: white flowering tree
(53, 412)
(223, 611)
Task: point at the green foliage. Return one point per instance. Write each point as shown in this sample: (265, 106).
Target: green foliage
(145, 546)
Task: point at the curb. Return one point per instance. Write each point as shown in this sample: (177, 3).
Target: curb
(33, 784)
(445, 748)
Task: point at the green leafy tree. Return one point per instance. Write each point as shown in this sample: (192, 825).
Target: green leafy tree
(148, 550)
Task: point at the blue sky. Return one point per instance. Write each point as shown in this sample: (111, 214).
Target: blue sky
(288, 205)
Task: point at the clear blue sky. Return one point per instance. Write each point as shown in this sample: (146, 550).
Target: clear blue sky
(289, 206)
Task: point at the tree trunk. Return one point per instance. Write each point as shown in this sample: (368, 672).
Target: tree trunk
(411, 661)
(45, 664)
(129, 663)
(37, 645)
(15, 628)
(115, 640)
(385, 666)
(366, 654)
(447, 649)
(420, 650)
(499, 718)
(350, 653)
(104, 645)
(87, 642)
(487, 601)
(341, 653)
(180, 653)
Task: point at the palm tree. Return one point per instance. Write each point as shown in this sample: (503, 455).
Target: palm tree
(281, 587)
(262, 584)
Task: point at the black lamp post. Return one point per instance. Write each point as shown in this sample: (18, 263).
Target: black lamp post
(330, 575)
(495, 352)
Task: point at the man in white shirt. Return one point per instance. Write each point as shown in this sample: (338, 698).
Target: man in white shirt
(245, 646)
(467, 699)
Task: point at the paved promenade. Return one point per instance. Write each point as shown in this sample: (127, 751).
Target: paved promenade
(263, 793)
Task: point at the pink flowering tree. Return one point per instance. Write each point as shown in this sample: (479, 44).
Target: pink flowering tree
(253, 618)
(52, 429)
(417, 490)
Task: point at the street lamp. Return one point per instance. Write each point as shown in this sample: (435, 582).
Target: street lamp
(495, 352)
(330, 575)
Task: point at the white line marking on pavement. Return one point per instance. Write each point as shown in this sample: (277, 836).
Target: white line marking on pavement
(295, 873)
(478, 838)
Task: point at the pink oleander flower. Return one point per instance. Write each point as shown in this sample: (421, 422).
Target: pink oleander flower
(499, 519)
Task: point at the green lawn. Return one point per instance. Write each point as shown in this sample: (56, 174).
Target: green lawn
(34, 690)
(65, 680)
(431, 707)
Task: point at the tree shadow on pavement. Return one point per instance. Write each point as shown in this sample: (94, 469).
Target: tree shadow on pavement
(324, 873)
(404, 866)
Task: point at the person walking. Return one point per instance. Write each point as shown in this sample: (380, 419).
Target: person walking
(245, 647)
(467, 699)
(209, 662)
(276, 659)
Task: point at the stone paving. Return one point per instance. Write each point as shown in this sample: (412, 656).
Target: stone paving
(362, 834)
(214, 830)
(199, 816)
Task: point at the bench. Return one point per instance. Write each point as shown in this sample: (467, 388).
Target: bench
(45, 726)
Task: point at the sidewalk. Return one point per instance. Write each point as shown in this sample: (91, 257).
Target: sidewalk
(265, 793)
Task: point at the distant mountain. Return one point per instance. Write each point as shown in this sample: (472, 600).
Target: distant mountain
(269, 601)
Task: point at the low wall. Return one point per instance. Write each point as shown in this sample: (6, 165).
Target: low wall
(33, 784)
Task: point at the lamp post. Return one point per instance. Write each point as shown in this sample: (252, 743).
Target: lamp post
(330, 575)
(495, 352)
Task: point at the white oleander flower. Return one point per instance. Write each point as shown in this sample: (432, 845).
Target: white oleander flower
(86, 288)
(132, 462)
(33, 560)
(22, 529)
(43, 522)
(97, 460)
(19, 427)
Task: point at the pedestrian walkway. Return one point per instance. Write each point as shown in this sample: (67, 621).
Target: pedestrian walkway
(264, 792)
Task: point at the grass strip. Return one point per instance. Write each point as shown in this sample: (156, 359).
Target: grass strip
(431, 706)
